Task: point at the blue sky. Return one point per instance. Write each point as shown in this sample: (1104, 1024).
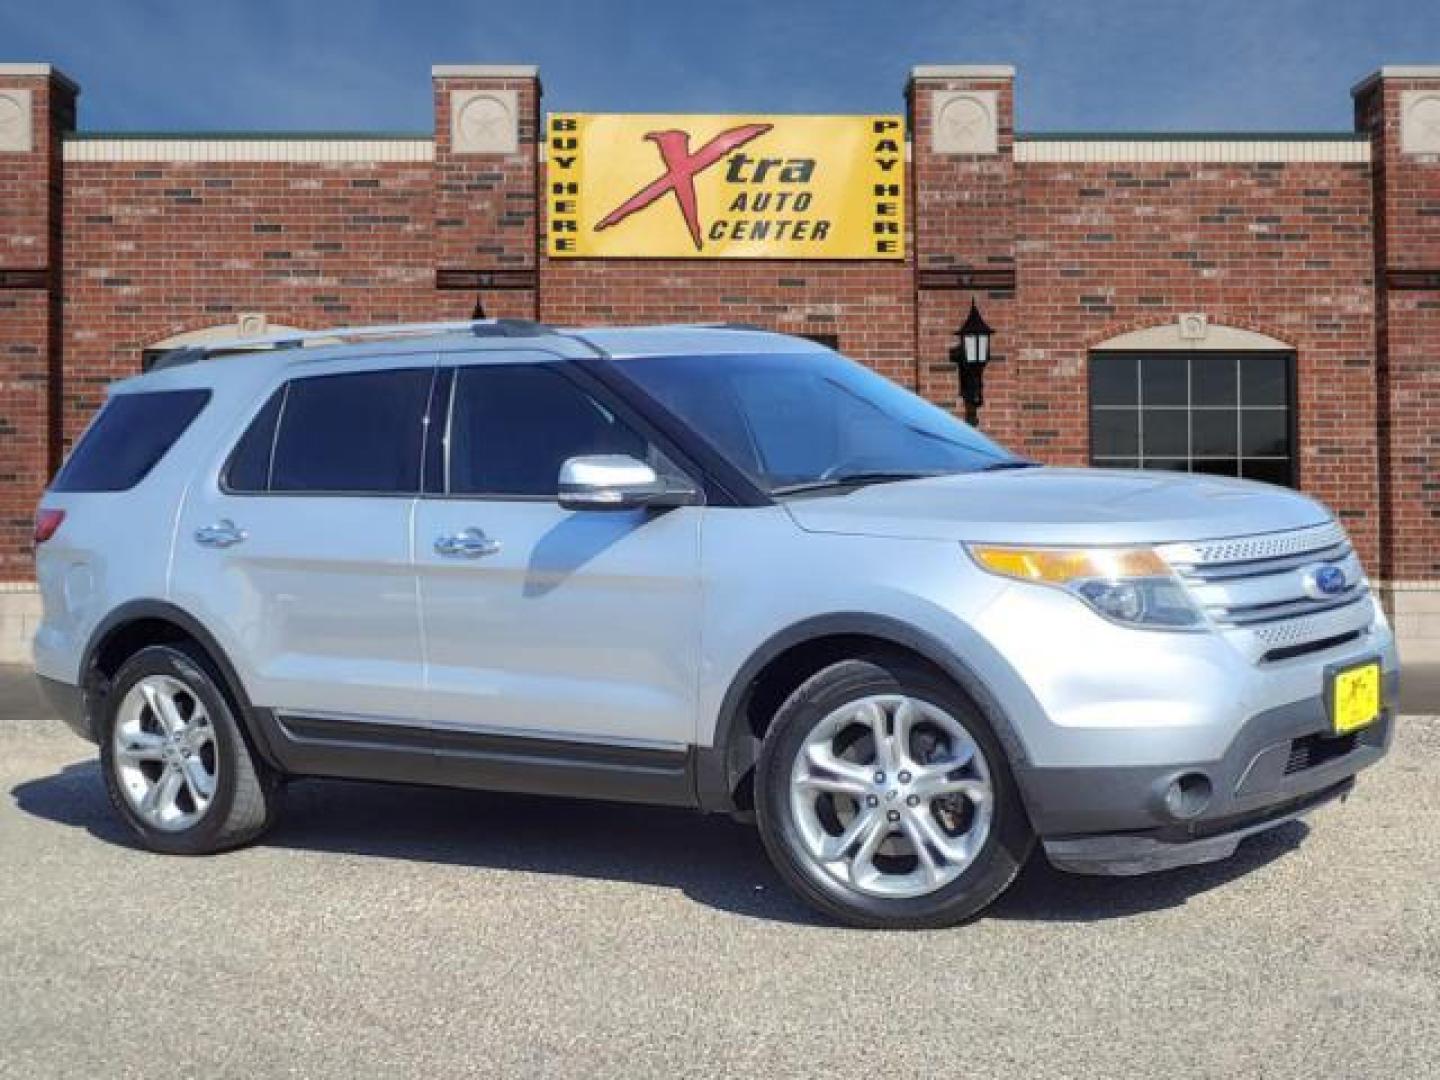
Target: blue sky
(364, 64)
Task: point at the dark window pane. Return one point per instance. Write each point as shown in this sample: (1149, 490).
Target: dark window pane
(1165, 432)
(513, 427)
(1113, 379)
(1269, 472)
(1213, 432)
(1115, 432)
(1167, 464)
(1212, 381)
(1218, 467)
(128, 439)
(249, 467)
(1162, 380)
(1116, 463)
(1265, 433)
(1264, 380)
(352, 433)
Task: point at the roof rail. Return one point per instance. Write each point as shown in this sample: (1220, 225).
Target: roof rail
(189, 354)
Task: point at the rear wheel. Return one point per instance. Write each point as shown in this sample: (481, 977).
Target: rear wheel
(176, 765)
(884, 799)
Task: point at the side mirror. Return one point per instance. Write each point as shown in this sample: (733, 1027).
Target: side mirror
(618, 482)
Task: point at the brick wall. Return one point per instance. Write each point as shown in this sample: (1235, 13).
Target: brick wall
(1407, 257)
(1061, 255)
(31, 251)
(1281, 249)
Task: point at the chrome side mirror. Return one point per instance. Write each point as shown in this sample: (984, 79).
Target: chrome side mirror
(618, 482)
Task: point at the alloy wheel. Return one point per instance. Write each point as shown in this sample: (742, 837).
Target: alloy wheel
(892, 796)
(165, 752)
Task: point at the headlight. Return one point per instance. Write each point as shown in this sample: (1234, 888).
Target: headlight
(1133, 586)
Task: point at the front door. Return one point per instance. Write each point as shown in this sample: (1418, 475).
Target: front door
(539, 622)
(298, 554)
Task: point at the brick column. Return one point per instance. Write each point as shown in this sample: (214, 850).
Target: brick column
(37, 105)
(1400, 108)
(963, 208)
(487, 124)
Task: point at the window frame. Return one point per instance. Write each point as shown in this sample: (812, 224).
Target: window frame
(427, 362)
(585, 382)
(1291, 406)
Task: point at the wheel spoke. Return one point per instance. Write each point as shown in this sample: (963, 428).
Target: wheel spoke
(835, 847)
(862, 867)
(874, 717)
(137, 746)
(955, 849)
(977, 791)
(200, 782)
(917, 838)
(830, 773)
(907, 715)
(161, 795)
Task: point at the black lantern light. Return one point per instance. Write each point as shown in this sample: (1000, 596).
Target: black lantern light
(971, 355)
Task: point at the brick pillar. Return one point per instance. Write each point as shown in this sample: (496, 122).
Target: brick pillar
(37, 105)
(963, 208)
(486, 205)
(1400, 108)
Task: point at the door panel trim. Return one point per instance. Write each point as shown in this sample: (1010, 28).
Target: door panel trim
(377, 749)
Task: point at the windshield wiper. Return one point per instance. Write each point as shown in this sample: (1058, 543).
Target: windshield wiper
(852, 479)
(997, 466)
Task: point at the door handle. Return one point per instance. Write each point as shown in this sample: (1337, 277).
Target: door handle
(471, 543)
(222, 534)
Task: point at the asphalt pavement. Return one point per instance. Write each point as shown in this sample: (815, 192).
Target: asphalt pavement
(387, 931)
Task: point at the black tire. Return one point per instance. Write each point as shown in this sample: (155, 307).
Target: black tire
(995, 866)
(248, 794)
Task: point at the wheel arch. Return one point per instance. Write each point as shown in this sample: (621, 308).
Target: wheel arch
(790, 656)
(139, 623)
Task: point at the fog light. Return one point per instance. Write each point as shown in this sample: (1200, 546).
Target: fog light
(1188, 795)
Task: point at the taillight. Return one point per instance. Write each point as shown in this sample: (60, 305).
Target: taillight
(46, 522)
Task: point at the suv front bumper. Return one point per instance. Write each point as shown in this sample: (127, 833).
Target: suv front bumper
(1282, 764)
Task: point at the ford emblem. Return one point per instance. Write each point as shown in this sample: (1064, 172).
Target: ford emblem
(1324, 581)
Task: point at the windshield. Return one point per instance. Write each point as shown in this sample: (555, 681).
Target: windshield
(805, 421)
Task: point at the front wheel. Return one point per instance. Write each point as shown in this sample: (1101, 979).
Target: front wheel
(884, 799)
(176, 764)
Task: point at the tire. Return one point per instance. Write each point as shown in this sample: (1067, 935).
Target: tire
(224, 796)
(892, 887)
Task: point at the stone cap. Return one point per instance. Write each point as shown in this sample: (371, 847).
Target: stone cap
(1397, 71)
(962, 71)
(42, 71)
(485, 71)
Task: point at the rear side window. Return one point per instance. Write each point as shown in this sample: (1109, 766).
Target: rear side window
(128, 439)
(352, 434)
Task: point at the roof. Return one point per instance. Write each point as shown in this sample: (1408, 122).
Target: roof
(201, 365)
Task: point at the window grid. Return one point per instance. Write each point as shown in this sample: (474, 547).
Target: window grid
(1145, 456)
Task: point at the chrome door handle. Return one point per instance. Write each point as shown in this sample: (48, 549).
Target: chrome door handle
(222, 534)
(469, 543)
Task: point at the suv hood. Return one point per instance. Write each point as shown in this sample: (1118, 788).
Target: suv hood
(1059, 506)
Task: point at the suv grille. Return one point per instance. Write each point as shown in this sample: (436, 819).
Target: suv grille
(1266, 585)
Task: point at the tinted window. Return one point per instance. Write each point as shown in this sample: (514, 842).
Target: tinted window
(1225, 414)
(128, 439)
(249, 468)
(356, 433)
(513, 426)
(797, 420)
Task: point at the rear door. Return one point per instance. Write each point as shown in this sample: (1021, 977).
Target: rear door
(298, 554)
(552, 624)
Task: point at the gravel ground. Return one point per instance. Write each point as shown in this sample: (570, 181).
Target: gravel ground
(392, 931)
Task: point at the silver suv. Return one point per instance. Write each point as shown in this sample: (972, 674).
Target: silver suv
(700, 566)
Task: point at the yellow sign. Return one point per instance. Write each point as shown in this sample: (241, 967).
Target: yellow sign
(728, 187)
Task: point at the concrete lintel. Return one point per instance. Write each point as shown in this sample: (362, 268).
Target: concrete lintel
(1397, 71)
(40, 71)
(962, 71)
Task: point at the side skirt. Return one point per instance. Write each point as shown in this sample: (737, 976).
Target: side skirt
(403, 753)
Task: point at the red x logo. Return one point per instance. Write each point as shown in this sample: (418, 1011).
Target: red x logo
(681, 168)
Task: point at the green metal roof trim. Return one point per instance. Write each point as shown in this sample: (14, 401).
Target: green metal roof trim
(252, 136)
(1191, 136)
